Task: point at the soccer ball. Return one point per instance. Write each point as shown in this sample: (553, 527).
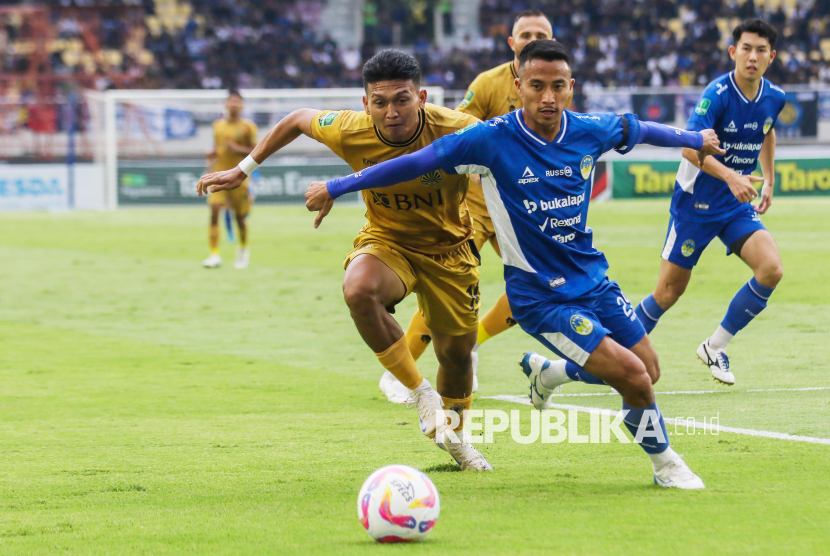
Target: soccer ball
(398, 503)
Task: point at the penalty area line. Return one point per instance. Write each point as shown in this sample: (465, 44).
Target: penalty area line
(673, 421)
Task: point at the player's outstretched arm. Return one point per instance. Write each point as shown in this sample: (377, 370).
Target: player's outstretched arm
(320, 195)
(741, 186)
(767, 160)
(289, 128)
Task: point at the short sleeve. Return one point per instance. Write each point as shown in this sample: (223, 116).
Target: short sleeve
(475, 101)
(465, 150)
(326, 127)
(706, 111)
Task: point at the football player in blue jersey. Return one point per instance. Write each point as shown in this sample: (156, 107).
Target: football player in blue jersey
(537, 166)
(715, 200)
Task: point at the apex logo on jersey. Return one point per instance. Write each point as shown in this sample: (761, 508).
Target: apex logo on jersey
(327, 119)
(767, 125)
(581, 325)
(731, 127)
(528, 177)
(687, 248)
(432, 179)
(702, 106)
(468, 98)
(586, 166)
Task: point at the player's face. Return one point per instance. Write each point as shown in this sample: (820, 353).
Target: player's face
(234, 106)
(752, 56)
(529, 29)
(545, 88)
(394, 107)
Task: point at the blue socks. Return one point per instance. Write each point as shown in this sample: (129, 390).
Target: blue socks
(649, 312)
(651, 440)
(578, 374)
(745, 306)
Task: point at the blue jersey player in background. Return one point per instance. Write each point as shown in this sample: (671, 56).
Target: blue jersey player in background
(742, 107)
(536, 166)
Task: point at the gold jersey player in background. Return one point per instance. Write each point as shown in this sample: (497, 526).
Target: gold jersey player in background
(417, 238)
(493, 93)
(233, 139)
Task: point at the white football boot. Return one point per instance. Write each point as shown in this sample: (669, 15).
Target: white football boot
(532, 365)
(676, 474)
(392, 388)
(243, 256)
(717, 361)
(463, 452)
(430, 409)
(475, 371)
(213, 261)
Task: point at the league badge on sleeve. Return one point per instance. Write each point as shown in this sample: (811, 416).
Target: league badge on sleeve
(586, 166)
(702, 106)
(468, 98)
(767, 125)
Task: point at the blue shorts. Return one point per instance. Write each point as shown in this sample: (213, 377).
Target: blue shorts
(574, 329)
(686, 240)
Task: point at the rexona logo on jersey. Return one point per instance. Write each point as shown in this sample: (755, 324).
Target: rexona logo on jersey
(528, 177)
(702, 106)
(586, 166)
(731, 127)
(432, 179)
(468, 98)
(327, 119)
(767, 125)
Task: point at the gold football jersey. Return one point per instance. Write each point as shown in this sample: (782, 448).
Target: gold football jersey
(242, 132)
(493, 93)
(427, 215)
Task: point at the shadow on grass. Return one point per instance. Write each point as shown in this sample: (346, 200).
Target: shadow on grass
(443, 468)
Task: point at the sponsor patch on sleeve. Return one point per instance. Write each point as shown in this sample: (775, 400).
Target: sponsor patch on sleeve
(702, 106)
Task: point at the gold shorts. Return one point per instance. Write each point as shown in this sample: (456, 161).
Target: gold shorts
(484, 232)
(446, 285)
(237, 199)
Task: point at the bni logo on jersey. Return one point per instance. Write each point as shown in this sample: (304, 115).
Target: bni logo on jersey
(586, 166)
(528, 177)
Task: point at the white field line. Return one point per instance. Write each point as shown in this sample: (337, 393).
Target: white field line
(721, 391)
(674, 421)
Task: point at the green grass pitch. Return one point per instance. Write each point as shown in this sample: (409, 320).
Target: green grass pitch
(150, 406)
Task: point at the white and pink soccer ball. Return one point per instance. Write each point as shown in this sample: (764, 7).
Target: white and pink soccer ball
(398, 503)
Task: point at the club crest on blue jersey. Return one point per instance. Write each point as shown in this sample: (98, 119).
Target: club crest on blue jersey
(767, 125)
(688, 248)
(581, 325)
(586, 166)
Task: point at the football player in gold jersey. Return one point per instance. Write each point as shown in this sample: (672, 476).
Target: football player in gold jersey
(418, 237)
(493, 93)
(233, 139)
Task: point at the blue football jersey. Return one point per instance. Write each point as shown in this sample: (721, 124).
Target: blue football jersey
(538, 192)
(742, 125)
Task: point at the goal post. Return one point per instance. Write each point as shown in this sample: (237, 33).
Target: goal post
(151, 144)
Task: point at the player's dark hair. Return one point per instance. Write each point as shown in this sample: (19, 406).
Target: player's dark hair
(387, 65)
(234, 93)
(757, 26)
(544, 49)
(528, 13)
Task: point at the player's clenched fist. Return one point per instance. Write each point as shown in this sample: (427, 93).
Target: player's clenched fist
(711, 146)
(317, 198)
(220, 181)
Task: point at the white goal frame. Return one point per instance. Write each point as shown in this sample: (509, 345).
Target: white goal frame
(107, 148)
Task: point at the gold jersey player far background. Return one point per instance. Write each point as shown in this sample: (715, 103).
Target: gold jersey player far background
(233, 139)
(493, 93)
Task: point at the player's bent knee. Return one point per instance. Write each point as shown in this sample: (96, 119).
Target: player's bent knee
(770, 275)
(361, 297)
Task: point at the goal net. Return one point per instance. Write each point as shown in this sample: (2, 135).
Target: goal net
(151, 144)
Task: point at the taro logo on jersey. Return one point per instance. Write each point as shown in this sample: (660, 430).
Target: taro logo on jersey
(432, 179)
(586, 166)
(581, 325)
(767, 125)
(702, 106)
(528, 176)
(688, 248)
(468, 98)
(326, 120)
